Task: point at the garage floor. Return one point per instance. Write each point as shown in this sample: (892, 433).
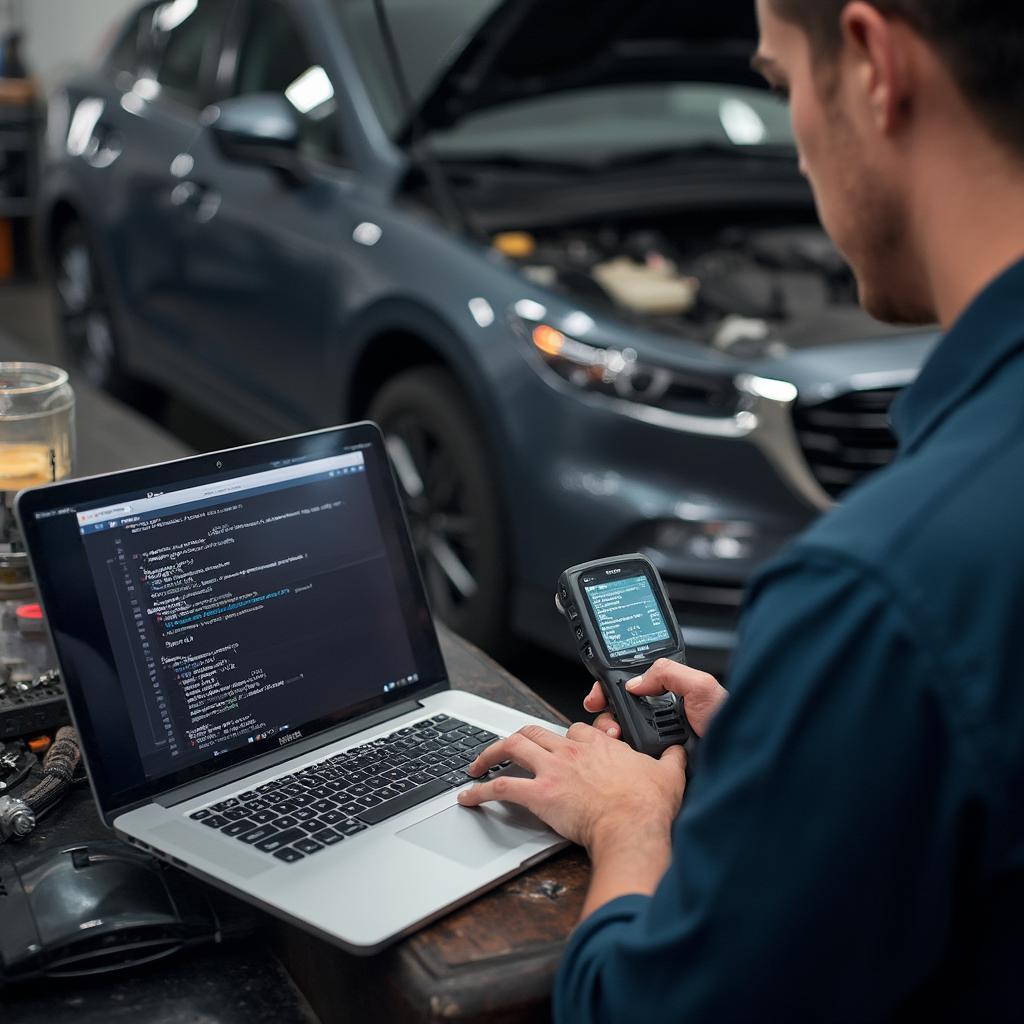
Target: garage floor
(26, 312)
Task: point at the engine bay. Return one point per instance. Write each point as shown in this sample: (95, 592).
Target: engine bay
(751, 291)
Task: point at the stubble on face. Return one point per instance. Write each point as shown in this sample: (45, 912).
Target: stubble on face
(867, 215)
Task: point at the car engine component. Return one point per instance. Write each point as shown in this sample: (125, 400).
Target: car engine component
(752, 292)
(18, 817)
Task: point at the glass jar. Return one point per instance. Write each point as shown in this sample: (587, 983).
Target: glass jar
(37, 446)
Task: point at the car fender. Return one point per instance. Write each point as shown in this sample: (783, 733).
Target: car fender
(403, 315)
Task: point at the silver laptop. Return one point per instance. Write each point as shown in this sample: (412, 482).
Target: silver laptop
(255, 677)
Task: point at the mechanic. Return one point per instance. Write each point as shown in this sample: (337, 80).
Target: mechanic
(852, 848)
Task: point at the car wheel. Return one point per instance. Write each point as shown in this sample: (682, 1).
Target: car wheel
(451, 499)
(88, 336)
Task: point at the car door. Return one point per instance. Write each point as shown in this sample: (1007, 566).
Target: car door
(264, 268)
(160, 111)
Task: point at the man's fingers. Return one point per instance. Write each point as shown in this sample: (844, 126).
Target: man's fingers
(674, 757)
(595, 700)
(580, 732)
(509, 788)
(666, 676)
(702, 694)
(527, 748)
(606, 723)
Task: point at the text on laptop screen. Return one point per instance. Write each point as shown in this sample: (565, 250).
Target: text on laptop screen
(237, 610)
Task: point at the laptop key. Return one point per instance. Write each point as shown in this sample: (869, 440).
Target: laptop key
(235, 813)
(351, 827)
(370, 799)
(389, 808)
(203, 812)
(288, 855)
(307, 845)
(258, 834)
(225, 804)
(328, 836)
(332, 817)
(456, 779)
(216, 821)
(420, 778)
(236, 828)
(358, 789)
(286, 807)
(350, 808)
(319, 806)
(403, 785)
(273, 843)
(286, 821)
(313, 825)
(305, 813)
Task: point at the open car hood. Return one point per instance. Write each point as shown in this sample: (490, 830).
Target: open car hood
(534, 47)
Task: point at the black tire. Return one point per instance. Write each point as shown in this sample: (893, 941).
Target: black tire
(89, 343)
(456, 508)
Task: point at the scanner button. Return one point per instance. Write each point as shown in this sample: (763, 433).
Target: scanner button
(572, 613)
(580, 635)
(588, 652)
(563, 593)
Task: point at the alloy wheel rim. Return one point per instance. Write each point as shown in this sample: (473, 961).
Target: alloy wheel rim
(443, 526)
(86, 319)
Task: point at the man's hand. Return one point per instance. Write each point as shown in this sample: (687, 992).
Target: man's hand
(702, 695)
(586, 786)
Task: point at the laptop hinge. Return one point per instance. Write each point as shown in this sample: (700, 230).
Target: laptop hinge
(209, 783)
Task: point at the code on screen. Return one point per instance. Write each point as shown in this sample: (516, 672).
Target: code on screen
(628, 615)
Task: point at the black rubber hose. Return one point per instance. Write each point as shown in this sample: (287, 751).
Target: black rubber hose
(59, 766)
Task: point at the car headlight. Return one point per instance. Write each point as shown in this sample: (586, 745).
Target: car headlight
(621, 374)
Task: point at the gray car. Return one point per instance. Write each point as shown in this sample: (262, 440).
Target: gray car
(561, 251)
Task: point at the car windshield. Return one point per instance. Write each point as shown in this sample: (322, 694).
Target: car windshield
(590, 125)
(613, 124)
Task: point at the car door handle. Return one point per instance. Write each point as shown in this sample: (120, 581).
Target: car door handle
(201, 201)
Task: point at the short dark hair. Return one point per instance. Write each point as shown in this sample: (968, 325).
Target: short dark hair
(982, 42)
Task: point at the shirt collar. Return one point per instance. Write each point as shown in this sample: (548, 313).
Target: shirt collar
(989, 332)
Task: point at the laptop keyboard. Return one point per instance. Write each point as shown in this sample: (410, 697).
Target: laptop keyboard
(298, 815)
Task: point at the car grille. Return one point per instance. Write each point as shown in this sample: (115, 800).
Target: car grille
(847, 438)
(707, 603)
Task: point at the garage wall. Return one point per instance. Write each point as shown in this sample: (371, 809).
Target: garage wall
(61, 35)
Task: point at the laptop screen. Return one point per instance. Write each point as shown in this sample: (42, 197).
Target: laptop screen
(203, 621)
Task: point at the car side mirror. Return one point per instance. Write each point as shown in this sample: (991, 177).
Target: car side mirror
(261, 128)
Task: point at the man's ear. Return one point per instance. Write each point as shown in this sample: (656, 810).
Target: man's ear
(877, 59)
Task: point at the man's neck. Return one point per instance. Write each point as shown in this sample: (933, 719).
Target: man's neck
(969, 221)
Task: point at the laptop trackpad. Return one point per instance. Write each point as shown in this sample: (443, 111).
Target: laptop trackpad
(476, 836)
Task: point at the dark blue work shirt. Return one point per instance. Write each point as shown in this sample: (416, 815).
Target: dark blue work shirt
(852, 848)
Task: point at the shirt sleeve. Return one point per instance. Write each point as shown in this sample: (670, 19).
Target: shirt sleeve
(816, 851)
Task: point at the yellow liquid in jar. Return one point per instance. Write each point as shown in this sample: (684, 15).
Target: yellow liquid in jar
(27, 465)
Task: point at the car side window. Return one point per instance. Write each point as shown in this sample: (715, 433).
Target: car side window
(188, 32)
(275, 58)
(124, 56)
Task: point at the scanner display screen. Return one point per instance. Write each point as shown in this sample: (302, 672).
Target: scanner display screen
(628, 616)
